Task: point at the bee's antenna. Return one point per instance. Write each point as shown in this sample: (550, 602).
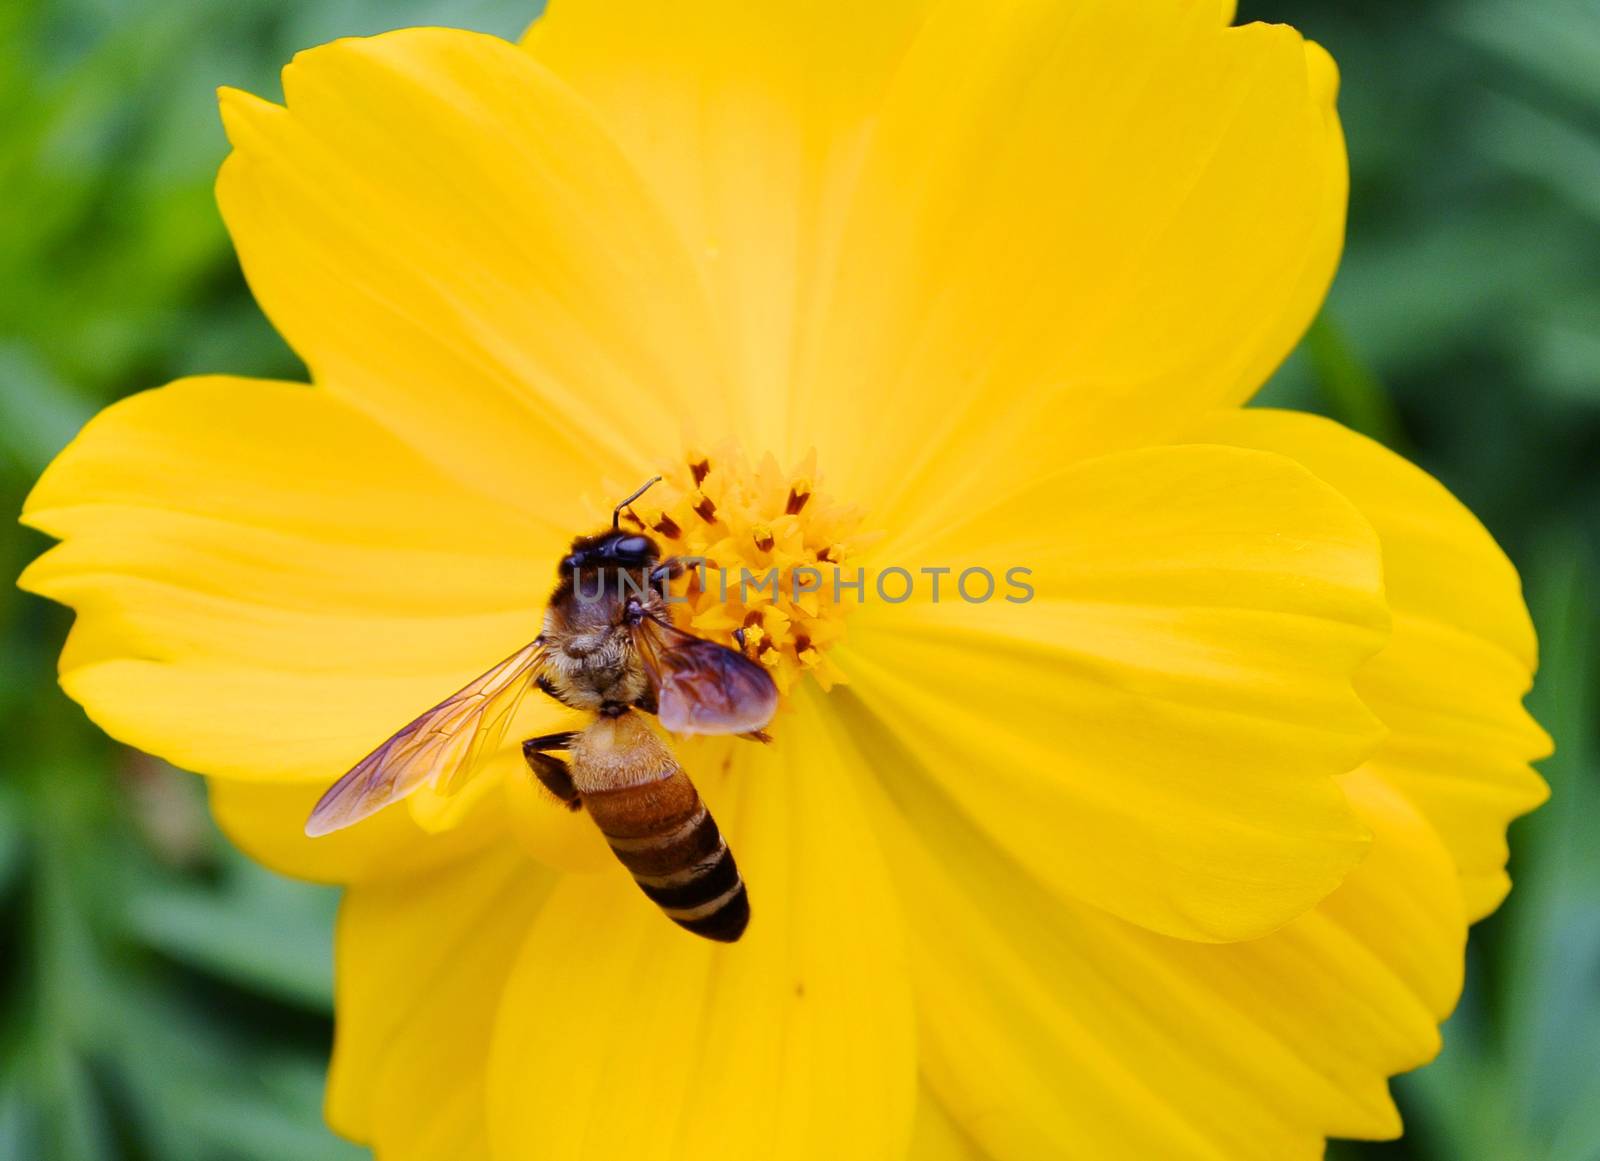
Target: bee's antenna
(616, 513)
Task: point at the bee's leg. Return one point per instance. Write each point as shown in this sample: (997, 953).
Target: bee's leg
(547, 742)
(670, 569)
(544, 685)
(673, 567)
(551, 771)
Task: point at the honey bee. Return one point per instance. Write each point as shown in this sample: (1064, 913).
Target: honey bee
(608, 647)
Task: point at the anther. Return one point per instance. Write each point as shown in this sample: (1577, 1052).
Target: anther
(665, 525)
(779, 536)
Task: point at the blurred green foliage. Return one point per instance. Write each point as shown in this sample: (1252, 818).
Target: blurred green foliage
(162, 998)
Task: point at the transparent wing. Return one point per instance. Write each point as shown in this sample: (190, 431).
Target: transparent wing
(440, 745)
(702, 687)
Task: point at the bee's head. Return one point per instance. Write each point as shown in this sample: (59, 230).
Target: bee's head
(616, 548)
(613, 549)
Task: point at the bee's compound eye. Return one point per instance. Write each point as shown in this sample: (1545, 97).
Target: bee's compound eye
(632, 546)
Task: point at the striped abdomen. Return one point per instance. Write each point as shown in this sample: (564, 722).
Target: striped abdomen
(666, 837)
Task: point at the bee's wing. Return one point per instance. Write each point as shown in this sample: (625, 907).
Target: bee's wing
(443, 742)
(702, 687)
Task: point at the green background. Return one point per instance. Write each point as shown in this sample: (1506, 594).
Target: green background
(162, 998)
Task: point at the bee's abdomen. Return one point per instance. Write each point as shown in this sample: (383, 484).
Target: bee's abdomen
(663, 833)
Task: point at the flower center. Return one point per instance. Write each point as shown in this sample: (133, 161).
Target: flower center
(777, 575)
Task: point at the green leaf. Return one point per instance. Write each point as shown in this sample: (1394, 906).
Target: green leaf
(38, 414)
(256, 930)
(1552, 955)
(13, 852)
(1353, 394)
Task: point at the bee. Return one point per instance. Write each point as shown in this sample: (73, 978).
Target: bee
(607, 647)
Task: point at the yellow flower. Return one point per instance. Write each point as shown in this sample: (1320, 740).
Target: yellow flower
(1174, 860)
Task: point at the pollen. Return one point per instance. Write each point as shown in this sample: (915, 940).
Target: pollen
(778, 574)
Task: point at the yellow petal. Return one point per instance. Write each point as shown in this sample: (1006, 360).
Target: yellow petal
(1158, 731)
(1076, 226)
(450, 240)
(747, 119)
(1053, 1030)
(935, 212)
(421, 966)
(267, 584)
(267, 821)
(1450, 683)
(937, 1137)
(1459, 745)
(623, 1036)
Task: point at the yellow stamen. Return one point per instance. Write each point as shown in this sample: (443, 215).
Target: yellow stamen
(771, 543)
(659, 521)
